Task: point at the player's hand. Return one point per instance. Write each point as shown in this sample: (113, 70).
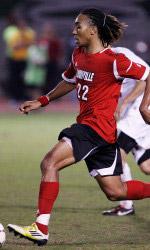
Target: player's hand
(145, 112)
(28, 106)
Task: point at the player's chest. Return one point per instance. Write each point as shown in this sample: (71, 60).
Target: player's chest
(91, 69)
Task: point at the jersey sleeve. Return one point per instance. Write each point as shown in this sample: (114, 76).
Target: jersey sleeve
(69, 74)
(123, 67)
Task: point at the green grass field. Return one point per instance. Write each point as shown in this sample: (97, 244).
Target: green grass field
(77, 222)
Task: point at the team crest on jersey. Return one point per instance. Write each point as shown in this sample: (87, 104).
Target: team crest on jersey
(85, 75)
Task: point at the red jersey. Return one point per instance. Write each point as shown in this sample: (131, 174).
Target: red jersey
(98, 80)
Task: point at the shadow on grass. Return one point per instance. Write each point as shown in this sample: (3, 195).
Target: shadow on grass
(141, 223)
(56, 209)
(21, 243)
(18, 206)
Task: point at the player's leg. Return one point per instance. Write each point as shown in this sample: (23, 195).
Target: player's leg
(115, 189)
(59, 157)
(142, 157)
(74, 145)
(112, 187)
(125, 207)
(145, 167)
(106, 166)
(126, 144)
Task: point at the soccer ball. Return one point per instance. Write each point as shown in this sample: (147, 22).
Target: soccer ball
(2, 235)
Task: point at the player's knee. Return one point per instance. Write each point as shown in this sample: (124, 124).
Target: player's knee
(47, 164)
(115, 195)
(145, 169)
(43, 165)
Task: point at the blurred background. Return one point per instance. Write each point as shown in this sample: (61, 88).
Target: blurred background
(36, 43)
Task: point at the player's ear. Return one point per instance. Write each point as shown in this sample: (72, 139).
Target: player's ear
(93, 30)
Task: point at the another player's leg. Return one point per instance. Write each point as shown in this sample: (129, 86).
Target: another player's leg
(59, 157)
(142, 158)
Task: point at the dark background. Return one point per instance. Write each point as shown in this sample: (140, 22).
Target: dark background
(61, 13)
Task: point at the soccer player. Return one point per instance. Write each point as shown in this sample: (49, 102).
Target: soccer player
(134, 133)
(95, 72)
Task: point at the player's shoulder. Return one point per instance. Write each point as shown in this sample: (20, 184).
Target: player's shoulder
(109, 54)
(121, 52)
(122, 55)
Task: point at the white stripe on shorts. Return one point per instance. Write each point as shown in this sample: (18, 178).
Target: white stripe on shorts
(66, 139)
(88, 153)
(105, 171)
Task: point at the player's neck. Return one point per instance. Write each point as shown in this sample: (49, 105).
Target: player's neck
(94, 47)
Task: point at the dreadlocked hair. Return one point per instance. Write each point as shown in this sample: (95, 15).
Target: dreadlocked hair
(110, 29)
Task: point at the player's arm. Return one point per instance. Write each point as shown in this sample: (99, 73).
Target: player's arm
(136, 92)
(145, 104)
(60, 90)
(131, 97)
(129, 69)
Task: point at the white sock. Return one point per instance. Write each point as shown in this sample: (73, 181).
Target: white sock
(126, 176)
(43, 219)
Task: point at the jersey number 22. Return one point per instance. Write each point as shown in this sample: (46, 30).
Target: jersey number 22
(82, 91)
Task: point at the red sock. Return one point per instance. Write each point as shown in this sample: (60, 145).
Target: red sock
(137, 190)
(47, 195)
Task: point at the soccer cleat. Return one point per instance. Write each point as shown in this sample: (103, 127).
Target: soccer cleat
(31, 233)
(119, 211)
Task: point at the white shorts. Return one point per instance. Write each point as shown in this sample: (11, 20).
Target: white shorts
(133, 125)
(128, 144)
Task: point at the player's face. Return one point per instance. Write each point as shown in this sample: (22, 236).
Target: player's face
(83, 30)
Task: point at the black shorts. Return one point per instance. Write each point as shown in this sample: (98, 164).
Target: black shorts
(100, 156)
(128, 144)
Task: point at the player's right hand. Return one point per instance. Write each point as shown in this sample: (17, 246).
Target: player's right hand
(28, 106)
